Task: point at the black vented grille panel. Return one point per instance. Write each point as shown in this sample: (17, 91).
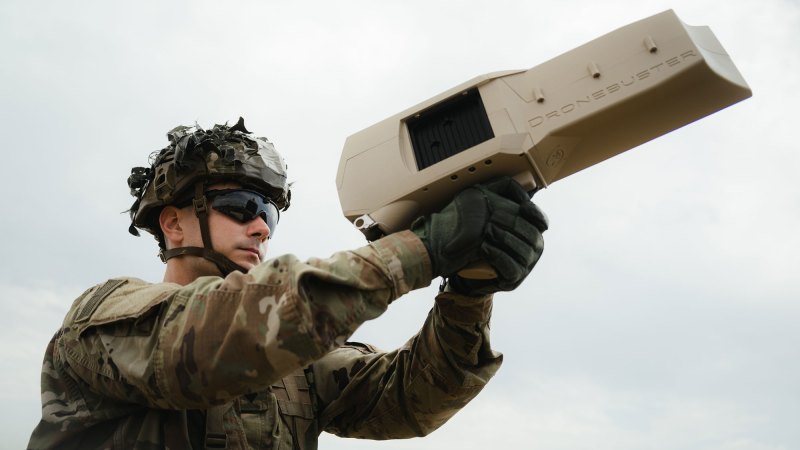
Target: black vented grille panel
(449, 128)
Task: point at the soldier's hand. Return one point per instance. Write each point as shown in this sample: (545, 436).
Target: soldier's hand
(513, 242)
(493, 222)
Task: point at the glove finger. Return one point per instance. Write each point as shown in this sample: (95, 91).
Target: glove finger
(519, 203)
(507, 268)
(533, 214)
(526, 209)
(522, 229)
(525, 252)
(496, 202)
(508, 188)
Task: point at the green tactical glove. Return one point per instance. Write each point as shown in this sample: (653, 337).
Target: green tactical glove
(513, 245)
(494, 222)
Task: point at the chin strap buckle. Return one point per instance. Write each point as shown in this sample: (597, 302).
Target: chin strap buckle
(200, 205)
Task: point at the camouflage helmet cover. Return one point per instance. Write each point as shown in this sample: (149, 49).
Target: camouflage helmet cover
(195, 155)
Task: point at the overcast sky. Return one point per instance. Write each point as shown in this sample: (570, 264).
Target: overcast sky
(663, 314)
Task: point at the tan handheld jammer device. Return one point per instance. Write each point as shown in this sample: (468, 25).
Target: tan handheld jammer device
(539, 125)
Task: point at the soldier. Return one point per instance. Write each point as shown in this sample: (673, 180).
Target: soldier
(235, 351)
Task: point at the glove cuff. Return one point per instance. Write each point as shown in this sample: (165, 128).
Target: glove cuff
(469, 288)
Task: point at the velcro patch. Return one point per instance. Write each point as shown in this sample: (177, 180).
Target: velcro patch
(102, 292)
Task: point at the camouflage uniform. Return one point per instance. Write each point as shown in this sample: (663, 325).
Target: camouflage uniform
(148, 366)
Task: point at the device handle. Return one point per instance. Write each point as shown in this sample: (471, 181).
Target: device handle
(478, 271)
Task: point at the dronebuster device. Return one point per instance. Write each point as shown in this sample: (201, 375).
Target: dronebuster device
(538, 125)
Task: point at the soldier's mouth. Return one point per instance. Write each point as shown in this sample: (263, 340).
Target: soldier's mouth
(253, 251)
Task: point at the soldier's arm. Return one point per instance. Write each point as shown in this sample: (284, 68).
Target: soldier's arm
(410, 392)
(215, 339)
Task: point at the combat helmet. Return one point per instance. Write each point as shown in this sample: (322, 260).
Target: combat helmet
(195, 159)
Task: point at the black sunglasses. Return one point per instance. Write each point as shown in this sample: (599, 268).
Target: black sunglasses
(244, 206)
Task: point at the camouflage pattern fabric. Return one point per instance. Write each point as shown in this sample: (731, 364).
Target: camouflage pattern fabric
(141, 366)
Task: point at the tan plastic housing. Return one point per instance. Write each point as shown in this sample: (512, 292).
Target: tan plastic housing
(576, 110)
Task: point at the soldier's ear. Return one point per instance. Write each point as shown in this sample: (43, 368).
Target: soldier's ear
(170, 222)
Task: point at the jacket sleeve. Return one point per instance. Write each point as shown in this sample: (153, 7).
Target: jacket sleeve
(365, 393)
(202, 344)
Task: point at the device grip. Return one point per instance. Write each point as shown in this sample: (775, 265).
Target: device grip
(478, 271)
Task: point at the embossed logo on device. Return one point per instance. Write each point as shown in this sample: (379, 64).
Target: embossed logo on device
(638, 77)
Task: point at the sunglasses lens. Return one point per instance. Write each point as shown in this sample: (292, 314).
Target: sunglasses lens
(245, 206)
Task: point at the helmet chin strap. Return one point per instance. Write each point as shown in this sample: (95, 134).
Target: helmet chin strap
(223, 263)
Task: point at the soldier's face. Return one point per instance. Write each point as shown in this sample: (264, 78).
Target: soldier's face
(243, 243)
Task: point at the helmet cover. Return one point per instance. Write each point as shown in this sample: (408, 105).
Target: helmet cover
(195, 155)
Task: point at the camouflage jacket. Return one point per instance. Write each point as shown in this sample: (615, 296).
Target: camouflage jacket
(154, 366)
